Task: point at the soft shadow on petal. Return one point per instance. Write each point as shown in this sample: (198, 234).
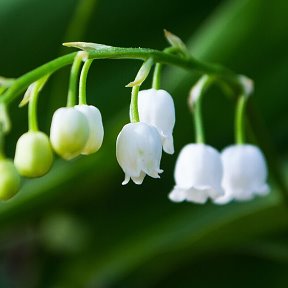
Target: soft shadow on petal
(197, 195)
(139, 180)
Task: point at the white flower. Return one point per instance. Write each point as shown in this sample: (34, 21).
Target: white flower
(69, 132)
(156, 108)
(245, 173)
(96, 131)
(34, 155)
(139, 151)
(198, 174)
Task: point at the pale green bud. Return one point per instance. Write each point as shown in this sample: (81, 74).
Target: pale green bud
(69, 132)
(9, 179)
(34, 155)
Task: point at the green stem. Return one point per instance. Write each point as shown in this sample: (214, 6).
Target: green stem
(83, 80)
(157, 76)
(33, 100)
(24, 81)
(32, 111)
(240, 120)
(73, 82)
(2, 141)
(199, 129)
(134, 114)
(195, 104)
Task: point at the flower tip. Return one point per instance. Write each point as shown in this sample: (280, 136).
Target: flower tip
(168, 145)
(126, 180)
(177, 195)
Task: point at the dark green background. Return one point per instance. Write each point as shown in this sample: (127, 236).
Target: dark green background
(77, 226)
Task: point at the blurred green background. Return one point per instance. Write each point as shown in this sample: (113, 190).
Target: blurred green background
(77, 226)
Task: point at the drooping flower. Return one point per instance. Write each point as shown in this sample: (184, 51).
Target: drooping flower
(34, 155)
(245, 173)
(198, 174)
(9, 179)
(96, 131)
(139, 151)
(156, 108)
(69, 132)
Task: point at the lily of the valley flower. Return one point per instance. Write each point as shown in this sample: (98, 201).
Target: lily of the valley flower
(245, 173)
(139, 151)
(34, 155)
(198, 174)
(9, 179)
(69, 132)
(96, 131)
(156, 108)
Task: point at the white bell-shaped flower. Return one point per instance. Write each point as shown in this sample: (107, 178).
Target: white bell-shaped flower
(69, 132)
(34, 155)
(198, 174)
(139, 151)
(245, 173)
(156, 108)
(96, 130)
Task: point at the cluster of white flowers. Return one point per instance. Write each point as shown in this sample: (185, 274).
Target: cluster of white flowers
(139, 145)
(238, 173)
(201, 172)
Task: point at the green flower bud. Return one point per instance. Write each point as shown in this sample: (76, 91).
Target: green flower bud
(34, 155)
(9, 179)
(69, 132)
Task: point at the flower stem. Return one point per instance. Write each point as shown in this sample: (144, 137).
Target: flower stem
(134, 114)
(157, 76)
(83, 80)
(199, 129)
(2, 141)
(240, 120)
(73, 82)
(32, 111)
(218, 71)
(33, 100)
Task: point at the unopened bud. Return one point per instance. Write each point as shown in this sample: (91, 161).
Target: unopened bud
(69, 132)
(34, 155)
(9, 179)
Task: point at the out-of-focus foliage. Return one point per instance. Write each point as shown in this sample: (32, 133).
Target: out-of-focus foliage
(77, 226)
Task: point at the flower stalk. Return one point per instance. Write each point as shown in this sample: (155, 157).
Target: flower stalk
(240, 120)
(83, 80)
(74, 76)
(134, 113)
(156, 83)
(20, 84)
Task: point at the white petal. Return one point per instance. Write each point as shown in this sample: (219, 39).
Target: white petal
(139, 180)
(199, 196)
(96, 131)
(156, 108)
(168, 145)
(126, 179)
(139, 151)
(199, 171)
(177, 194)
(245, 172)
